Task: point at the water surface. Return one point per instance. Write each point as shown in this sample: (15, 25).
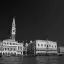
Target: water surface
(32, 60)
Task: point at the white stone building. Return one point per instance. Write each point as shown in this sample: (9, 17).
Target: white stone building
(52, 47)
(12, 47)
(41, 46)
(61, 49)
(20, 48)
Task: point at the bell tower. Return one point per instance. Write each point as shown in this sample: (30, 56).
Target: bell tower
(13, 31)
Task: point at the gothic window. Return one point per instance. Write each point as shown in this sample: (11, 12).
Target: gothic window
(5, 49)
(21, 52)
(11, 49)
(14, 49)
(45, 45)
(5, 43)
(38, 44)
(52, 45)
(41, 44)
(18, 47)
(55, 46)
(49, 45)
(21, 48)
(10, 43)
(8, 48)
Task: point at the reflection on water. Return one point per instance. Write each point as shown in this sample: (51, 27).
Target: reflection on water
(47, 59)
(17, 60)
(10, 60)
(32, 60)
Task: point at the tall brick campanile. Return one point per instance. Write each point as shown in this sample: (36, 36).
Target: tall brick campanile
(13, 30)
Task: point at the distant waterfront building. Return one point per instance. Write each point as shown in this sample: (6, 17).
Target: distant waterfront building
(61, 49)
(11, 46)
(42, 46)
(25, 48)
(52, 47)
(20, 48)
(31, 49)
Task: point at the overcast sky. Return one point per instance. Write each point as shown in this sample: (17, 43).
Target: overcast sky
(35, 19)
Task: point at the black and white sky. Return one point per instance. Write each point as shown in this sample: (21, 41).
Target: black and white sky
(35, 19)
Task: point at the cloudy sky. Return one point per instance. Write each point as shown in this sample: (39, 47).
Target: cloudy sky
(34, 19)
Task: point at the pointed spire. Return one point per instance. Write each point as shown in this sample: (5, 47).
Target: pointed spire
(13, 30)
(13, 24)
(13, 20)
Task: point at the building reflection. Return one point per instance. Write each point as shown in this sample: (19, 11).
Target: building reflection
(11, 60)
(47, 59)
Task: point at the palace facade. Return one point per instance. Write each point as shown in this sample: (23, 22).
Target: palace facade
(12, 47)
(42, 46)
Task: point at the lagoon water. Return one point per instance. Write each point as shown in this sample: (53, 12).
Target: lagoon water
(32, 60)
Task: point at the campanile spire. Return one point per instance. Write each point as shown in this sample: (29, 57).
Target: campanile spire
(13, 29)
